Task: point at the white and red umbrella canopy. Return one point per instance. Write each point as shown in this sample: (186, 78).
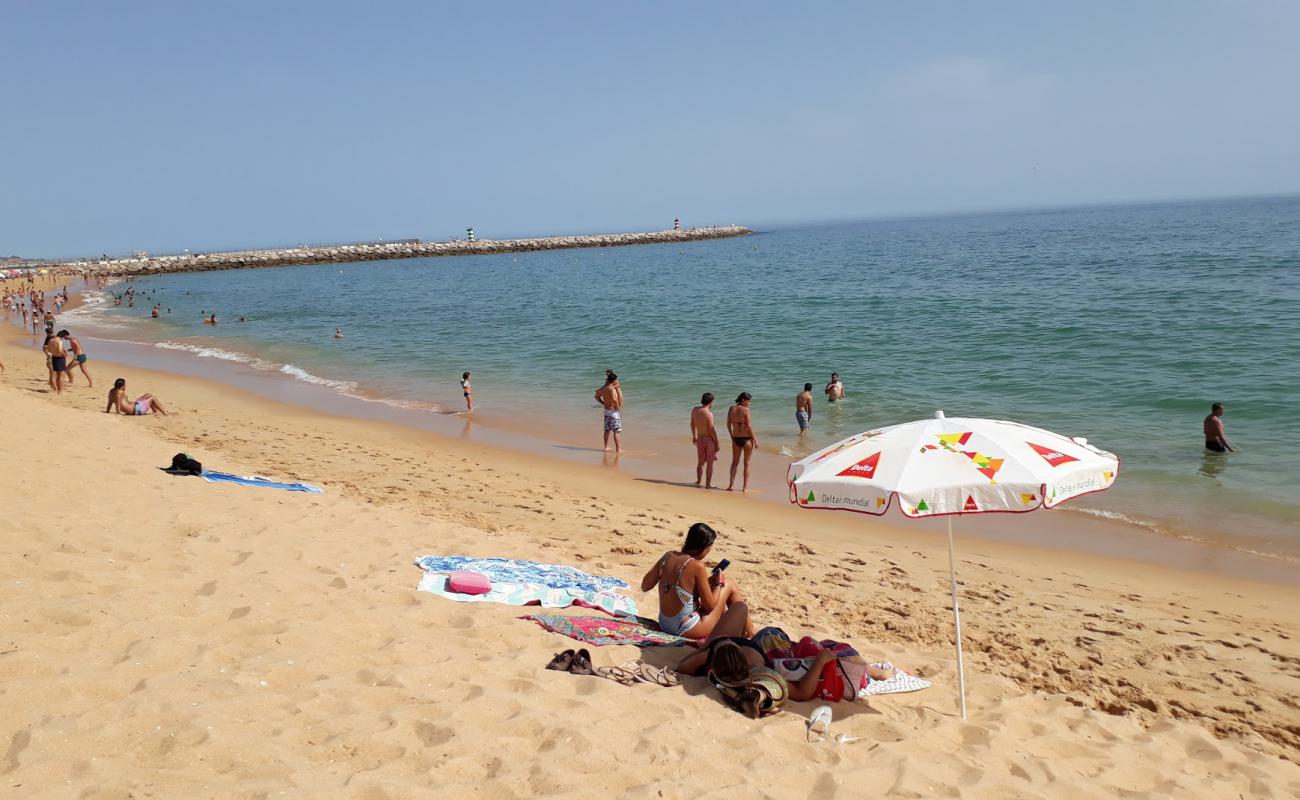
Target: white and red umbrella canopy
(951, 465)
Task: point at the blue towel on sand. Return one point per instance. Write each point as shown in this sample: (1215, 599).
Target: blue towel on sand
(257, 480)
(509, 570)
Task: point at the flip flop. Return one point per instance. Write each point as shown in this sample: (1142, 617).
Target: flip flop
(581, 663)
(819, 723)
(561, 661)
(624, 674)
(657, 675)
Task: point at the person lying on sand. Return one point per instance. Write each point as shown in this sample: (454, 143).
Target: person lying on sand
(691, 600)
(730, 656)
(144, 404)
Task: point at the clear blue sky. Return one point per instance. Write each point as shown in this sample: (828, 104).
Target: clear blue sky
(169, 125)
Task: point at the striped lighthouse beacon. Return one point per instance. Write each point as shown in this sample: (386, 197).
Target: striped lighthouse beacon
(469, 235)
(677, 223)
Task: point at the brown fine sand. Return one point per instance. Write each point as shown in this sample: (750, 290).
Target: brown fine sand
(164, 637)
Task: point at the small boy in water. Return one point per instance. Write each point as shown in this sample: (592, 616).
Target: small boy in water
(468, 390)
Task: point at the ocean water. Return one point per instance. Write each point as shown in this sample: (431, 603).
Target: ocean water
(1121, 324)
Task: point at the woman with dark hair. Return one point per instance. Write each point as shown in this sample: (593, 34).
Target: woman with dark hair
(743, 440)
(691, 599)
(730, 660)
(144, 404)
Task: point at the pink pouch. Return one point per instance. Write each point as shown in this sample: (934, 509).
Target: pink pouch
(464, 582)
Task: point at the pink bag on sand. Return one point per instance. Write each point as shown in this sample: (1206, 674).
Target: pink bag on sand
(464, 582)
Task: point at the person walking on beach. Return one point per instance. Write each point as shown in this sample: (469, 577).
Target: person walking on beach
(834, 388)
(610, 397)
(705, 438)
(803, 408)
(76, 358)
(58, 361)
(1215, 438)
(743, 441)
(468, 391)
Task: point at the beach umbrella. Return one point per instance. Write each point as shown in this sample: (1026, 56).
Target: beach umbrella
(948, 466)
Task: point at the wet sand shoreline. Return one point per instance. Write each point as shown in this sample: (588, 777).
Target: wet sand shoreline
(664, 460)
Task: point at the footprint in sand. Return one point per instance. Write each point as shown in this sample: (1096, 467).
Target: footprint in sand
(17, 745)
(207, 589)
(239, 613)
(431, 735)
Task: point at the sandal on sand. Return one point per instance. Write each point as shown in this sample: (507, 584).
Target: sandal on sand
(581, 663)
(819, 723)
(634, 671)
(562, 661)
(625, 674)
(658, 675)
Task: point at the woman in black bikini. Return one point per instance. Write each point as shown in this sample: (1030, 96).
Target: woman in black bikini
(743, 440)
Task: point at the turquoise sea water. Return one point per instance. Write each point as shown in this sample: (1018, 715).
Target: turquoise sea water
(1121, 324)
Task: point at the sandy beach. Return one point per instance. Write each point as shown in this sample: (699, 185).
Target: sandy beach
(165, 637)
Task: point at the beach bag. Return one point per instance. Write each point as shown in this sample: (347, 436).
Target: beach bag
(833, 684)
(185, 464)
(761, 694)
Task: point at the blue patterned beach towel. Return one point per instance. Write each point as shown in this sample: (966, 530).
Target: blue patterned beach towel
(258, 480)
(510, 570)
(524, 594)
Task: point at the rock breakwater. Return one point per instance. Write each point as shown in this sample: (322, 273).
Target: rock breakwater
(244, 259)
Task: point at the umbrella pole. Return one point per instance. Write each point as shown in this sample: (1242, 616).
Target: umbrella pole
(956, 618)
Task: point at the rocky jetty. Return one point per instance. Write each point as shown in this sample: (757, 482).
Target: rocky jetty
(244, 259)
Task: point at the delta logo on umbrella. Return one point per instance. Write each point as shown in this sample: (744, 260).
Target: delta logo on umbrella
(866, 468)
(1054, 457)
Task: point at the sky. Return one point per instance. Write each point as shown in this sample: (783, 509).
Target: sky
(166, 126)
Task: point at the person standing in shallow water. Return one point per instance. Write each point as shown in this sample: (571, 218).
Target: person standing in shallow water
(834, 388)
(743, 441)
(610, 397)
(803, 408)
(1215, 437)
(468, 392)
(705, 438)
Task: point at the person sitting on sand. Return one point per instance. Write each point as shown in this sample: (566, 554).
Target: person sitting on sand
(144, 404)
(691, 600)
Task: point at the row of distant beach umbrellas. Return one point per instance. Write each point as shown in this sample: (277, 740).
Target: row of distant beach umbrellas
(950, 466)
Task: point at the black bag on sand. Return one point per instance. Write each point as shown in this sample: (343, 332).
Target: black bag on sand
(184, 465)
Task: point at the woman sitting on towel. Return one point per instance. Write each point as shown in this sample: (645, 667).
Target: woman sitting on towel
(144, 404)
(691, 600)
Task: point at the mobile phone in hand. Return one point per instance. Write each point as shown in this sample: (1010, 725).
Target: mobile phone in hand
(722, 565)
